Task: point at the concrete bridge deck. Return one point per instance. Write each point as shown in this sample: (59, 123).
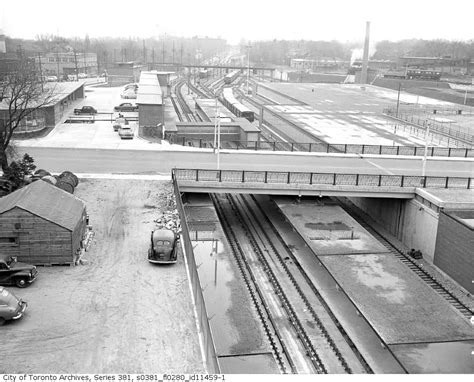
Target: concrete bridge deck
(310, 183)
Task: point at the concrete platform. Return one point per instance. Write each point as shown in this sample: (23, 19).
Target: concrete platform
(366, 340)
(329, 229)
(342, 113)
(398, 304)
(333, 97)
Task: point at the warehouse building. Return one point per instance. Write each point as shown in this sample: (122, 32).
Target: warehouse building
(42, 225)
(62, 64)
(60, 97)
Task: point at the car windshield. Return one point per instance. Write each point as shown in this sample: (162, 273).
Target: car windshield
(9, 260)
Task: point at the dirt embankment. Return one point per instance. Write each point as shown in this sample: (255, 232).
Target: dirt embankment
(117, 313)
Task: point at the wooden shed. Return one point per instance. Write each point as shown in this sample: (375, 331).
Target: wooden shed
(42, 224)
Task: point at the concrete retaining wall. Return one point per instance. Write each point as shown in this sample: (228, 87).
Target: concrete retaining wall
(408, 220)
(419, 228)
(454, 249)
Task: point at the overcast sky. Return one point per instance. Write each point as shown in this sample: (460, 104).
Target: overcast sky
(342, 20)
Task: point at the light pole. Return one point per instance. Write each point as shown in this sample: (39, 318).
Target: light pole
(398, 97)
(248, 67)
(217, 135)
(427, 132)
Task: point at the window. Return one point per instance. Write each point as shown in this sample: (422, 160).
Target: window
(8, 241)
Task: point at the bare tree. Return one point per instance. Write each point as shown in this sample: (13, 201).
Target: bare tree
(22, 94)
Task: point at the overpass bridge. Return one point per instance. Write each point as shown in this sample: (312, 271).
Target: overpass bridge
(311, 183)
(203, 66)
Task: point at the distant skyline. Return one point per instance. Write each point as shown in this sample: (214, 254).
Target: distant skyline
(342, 20)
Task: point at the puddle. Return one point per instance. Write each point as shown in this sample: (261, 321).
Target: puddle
(370, 272)
(447, 357)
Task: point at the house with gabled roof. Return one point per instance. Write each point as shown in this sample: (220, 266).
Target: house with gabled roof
(42, 224)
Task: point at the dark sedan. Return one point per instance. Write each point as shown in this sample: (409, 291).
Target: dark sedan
(126, 106)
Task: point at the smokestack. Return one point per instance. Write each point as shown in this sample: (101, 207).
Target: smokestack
(365, 58)
(3, 48)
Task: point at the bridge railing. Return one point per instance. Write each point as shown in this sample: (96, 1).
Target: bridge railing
(419, 151)
(313, 178)
(211, 360)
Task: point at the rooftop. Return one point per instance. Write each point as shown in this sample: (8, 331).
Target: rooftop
(46, 201)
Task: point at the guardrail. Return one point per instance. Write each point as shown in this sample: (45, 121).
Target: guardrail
(327, 179)
(211, 360)
(432, 151)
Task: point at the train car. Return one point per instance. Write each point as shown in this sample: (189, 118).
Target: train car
(395, 75)
(207, 108)
(230, 77)
(423, 74)
(235, 106)
(163, 247)
(203, 73)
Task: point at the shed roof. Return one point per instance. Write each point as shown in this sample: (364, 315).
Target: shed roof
(46, 201)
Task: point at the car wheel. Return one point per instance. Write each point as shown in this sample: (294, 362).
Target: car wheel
(21, 282)
(2, 321)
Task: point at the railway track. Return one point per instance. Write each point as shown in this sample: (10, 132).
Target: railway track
(185, 109)
(413, 265)
(311, 339)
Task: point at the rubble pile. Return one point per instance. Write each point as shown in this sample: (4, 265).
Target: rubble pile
(169, 219)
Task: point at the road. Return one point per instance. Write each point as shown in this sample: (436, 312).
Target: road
(146, 161)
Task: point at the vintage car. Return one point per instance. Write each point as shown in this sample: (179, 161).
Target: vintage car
(13, 272)
(119, 122)
(11, 307)
(126, 106)
(164, 247)
(125, 132)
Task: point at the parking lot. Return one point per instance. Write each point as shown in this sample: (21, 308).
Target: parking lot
(116, 313)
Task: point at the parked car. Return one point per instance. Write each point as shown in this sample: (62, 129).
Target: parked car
(119, 122)
(11, 307)
(82, 75)
(13, 272)
(163, 247)
(51, 78)
(126, 106)
(129, 94)
(85, 110)
(126, 132)
(133, 86)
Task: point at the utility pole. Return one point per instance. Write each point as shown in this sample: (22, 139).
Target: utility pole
(173, 52)
(85, 63)
(41, 72)
(163, 53)
(75, 61)
(144, 52)
(57, 62)
(398, 97)
(248, 67)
